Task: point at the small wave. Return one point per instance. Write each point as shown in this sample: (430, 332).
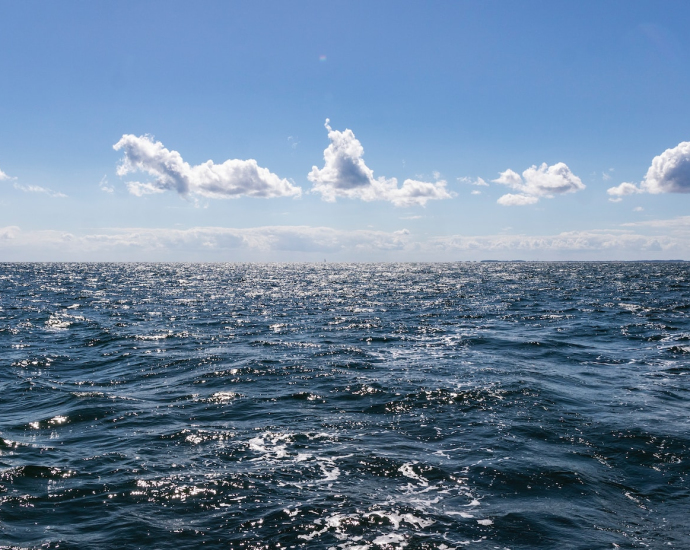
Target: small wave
(224, 397)
(34, 472)
(153, 337)
(307, 396)
(678, 349)
(56, 322)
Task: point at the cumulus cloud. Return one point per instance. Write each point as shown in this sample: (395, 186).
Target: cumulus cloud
(617, 193)
(511, 199)
(346, 175)
(39, 189)
(669, 173)
(537, 182)
(232, 179)
(4, 176)
(510, 178)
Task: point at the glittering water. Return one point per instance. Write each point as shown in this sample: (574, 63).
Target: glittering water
(345, 406)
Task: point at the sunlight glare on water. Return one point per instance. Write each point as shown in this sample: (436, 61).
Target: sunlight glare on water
(356, 406)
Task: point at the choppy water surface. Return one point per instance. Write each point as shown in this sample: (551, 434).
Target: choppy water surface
(345, 406)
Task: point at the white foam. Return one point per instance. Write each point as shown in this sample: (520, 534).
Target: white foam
(152, 336)
(396, 519)
(320, 435)
(270, 445)
(330, 475)
(461, 514)
(224, 396)
(56, 323)
(407, 470)
(417, 522)
(332, 522)
(389, 539)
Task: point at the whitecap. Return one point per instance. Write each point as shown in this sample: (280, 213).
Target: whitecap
(56, 323)
(407, 470)
(224, 396)
(392, 538)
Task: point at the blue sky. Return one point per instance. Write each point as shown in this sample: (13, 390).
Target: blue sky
(422, 100)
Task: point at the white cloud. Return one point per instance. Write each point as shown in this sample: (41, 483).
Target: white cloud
(479, 181)
(638, 209)
(9, 232)
(105, 186)
(650, 239)
(39, 189)
(510, 178)
(669, 173)
(346, 175)
(582, 244)
(537, 182)
(140, 189)
(234, 178)
(609, 244)
(681, 224)
(272, 242)
(511, 199)
(32, 188)
(605, 176)
(475, 192)
(617, 193)
(415, 192)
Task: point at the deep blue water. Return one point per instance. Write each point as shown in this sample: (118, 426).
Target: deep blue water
(536, 405)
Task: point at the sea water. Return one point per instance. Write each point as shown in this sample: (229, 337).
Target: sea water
(345, 406)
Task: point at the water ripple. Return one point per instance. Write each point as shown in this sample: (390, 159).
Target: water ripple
(358, 406)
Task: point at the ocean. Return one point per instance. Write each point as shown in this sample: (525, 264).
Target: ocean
(345, 406)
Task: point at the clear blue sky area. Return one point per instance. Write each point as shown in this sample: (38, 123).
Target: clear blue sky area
(437, 94)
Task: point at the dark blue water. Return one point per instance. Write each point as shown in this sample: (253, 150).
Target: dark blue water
(343, 406)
